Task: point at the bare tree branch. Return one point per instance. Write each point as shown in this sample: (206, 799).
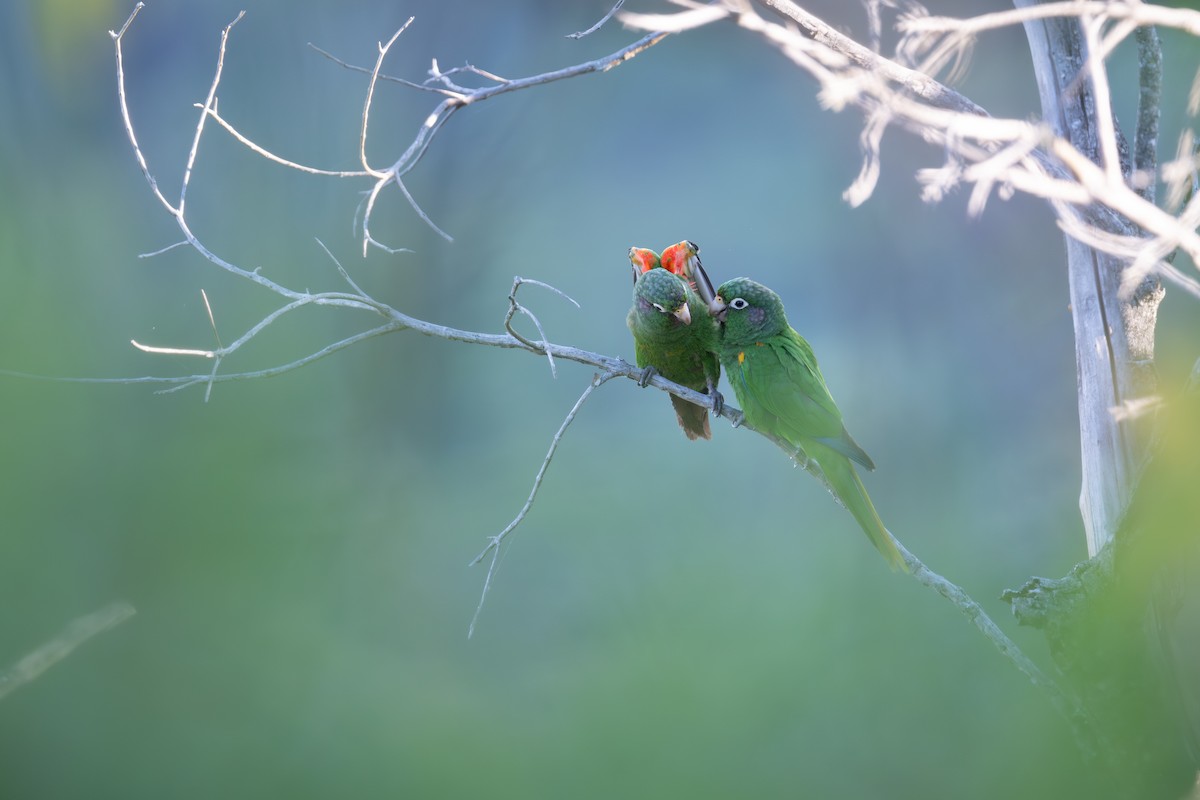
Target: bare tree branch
(456, 98)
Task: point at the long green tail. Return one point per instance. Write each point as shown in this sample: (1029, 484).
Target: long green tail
(846, 484)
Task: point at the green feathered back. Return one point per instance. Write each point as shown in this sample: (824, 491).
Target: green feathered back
(779, 386)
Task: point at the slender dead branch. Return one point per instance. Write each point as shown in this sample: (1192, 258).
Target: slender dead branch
(494, 542)
(31, 667)
(209, 103)
(599, 24)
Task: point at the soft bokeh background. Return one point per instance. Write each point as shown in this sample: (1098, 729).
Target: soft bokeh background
(674, 618)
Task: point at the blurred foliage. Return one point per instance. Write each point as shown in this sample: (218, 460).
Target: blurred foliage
(296, 547)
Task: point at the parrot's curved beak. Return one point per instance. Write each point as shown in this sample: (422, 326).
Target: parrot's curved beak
(717, 308)
(683, 314)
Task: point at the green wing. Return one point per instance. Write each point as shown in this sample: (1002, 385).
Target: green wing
(781, 374)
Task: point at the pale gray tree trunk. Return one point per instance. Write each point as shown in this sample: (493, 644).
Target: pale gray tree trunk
(1123, 626)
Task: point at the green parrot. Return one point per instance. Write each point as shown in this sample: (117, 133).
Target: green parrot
(675, 336)
(775, 377)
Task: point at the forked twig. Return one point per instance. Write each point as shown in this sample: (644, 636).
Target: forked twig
(514, 307)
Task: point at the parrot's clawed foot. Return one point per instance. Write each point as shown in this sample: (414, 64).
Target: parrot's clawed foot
(718, 403)
(647, 374)
(738, 419)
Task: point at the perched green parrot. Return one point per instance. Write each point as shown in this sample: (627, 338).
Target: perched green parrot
(775, 377)
(675, 336)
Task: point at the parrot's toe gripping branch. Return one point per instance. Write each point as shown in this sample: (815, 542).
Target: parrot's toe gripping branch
(647, 374)
(737, 419)
(718, 402)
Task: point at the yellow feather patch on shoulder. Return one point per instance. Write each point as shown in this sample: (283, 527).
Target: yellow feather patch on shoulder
(742, 357)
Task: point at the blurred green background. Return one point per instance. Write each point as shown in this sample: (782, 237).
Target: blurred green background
(296, 548)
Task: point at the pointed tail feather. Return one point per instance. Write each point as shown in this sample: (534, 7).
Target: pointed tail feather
(844, 480)
(692, 418)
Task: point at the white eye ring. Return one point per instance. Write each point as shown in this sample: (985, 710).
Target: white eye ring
(660, 308)
(738, 303)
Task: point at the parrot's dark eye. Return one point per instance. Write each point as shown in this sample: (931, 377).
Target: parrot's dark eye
(738, 303)
(660, 308)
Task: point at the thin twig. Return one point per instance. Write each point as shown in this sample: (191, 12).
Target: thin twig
(210, 103)
(162, 250)
(366, 113)
(383, 77)
(269, 156)
(342, 270)
(211, 319)
(420, 211)
(172, 351)
(118, 38)
(598, 25)
(216, 361)
(494, 542)
(184, 382)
